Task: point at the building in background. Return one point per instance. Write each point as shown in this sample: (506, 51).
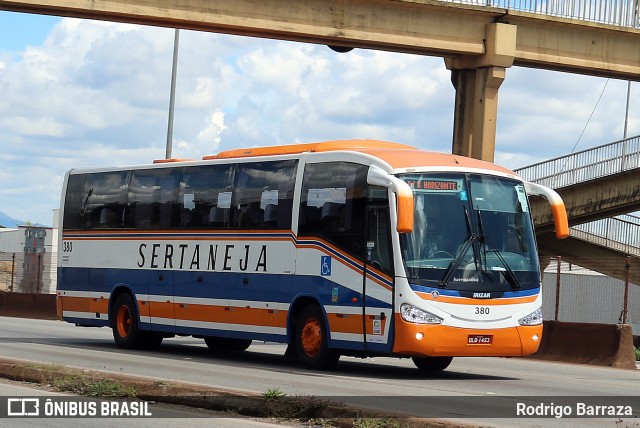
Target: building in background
(11, 247)
(28, 258)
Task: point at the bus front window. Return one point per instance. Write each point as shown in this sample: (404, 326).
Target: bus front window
(470, 232)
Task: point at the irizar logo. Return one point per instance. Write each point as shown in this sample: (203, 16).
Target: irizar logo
(481, 295)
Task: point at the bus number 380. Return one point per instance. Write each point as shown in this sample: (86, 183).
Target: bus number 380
(482, 310)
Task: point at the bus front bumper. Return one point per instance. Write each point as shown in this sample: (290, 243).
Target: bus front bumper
(422, 340)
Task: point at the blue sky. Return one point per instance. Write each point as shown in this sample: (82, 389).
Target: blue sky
(89, 93)
(18, 30)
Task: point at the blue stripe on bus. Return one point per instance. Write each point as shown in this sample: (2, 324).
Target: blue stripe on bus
(456, 293)
(277, 288)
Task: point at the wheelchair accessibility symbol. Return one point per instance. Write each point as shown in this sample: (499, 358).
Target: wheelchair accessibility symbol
(325, 266)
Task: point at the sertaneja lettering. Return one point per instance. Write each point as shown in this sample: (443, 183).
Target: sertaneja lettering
(194, 258)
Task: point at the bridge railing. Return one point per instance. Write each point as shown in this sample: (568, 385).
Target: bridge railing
(620, 233)
(622, 13)
(590, 164)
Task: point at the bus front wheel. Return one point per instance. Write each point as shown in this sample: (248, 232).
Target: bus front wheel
(311, 340)
(432, 364)
(124, 323)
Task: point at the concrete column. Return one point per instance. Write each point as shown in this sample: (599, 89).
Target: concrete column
(477, 80)
(476, 111)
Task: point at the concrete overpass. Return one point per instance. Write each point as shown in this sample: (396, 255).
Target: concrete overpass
(596, 184)
(478, 43)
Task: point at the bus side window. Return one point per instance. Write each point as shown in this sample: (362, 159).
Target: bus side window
(263, 197)
(105, 191)
(74, 202)
(333, 204)
(205, 196)
(152, 199)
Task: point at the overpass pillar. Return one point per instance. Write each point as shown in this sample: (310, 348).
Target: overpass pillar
(477, 79)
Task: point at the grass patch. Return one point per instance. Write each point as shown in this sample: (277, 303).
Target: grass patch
(376, 423)
(44, 366)
(274, 393)
(90, 387)
(304, 408)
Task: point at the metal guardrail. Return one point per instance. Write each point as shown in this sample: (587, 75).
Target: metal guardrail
(590, 164)
(620, 233)
(623, 13)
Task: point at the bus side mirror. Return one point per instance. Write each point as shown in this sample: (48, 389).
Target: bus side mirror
(557, 207)
(379, 177)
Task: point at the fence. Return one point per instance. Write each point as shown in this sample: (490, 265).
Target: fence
(621, 233)
(27, 273)
(590, 164)
(573, 294)
(623, 13)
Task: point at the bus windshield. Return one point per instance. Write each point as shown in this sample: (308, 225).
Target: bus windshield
(471, 232)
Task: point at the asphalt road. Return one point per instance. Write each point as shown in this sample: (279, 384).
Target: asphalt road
(470, 385)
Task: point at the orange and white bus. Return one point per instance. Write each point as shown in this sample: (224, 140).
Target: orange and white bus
(336, 248)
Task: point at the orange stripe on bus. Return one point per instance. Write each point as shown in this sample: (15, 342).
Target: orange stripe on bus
(345, 323)
(175, 238)
(484, 302)
(203, 313)
(258, 317)
(76, 304)
(161, 309)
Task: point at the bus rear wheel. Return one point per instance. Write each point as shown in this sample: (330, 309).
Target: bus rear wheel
(432, 364)
(225, 344)
(311, 340)
(126, 331)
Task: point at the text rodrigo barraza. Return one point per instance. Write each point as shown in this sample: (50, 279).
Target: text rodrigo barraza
(574, 410)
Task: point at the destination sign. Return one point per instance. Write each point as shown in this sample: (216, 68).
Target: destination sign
(436, 185)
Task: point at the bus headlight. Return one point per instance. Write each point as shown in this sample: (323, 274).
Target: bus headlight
(415, 315)
(534, 318)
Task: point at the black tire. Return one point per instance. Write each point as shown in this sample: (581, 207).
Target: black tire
(126, 331)
(312, 340)
(225, 344)
(150, 340)
(432, 364)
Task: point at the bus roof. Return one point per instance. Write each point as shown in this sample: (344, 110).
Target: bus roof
(398, 156)
(324, 146)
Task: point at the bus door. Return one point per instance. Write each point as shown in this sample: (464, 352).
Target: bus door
(161, 298)
(378, 276)
(201, 303)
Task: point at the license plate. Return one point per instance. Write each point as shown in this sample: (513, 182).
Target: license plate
(479, 339)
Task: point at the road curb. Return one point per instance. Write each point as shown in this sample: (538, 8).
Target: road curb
(217, 399)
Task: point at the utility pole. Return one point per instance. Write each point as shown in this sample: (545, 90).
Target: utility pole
(172, 96)
(626, 114)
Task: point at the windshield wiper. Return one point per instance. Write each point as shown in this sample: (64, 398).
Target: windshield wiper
(508, 273)
(469, 240)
